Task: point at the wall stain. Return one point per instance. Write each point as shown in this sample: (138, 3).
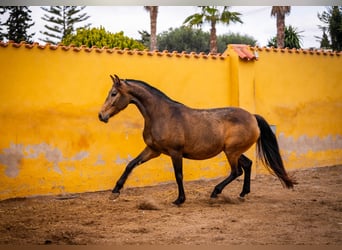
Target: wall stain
(12, 157)
(120, 160)
(80, 156)
(99, 160)
(54, 156)
(83, 141)
(305, 144)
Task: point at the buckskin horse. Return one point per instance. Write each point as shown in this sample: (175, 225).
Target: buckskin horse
(173, 129)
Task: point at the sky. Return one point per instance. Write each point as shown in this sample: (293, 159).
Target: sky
(257, 21)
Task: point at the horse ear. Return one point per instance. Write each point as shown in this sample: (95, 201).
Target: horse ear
(116, 81)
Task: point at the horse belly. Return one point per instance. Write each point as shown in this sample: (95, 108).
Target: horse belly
(205, 147)
(201, 155)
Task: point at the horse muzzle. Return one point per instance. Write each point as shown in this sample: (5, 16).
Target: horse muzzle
(103, 118)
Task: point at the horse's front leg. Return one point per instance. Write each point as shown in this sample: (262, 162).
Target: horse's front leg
(144, 156)
(177, 161)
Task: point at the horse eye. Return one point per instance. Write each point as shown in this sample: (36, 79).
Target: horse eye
(113, 94)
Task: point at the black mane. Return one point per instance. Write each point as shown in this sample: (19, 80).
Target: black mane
(150, 88)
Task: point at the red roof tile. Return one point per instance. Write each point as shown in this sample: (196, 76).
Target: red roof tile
(298, 51)
(113, 50)
(243, 52)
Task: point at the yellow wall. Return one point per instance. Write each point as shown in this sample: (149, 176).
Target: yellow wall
(51, 139)
(52, 142)
(304, 101)
(300, 92)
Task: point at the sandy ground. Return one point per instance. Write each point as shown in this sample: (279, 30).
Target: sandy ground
(309, 214)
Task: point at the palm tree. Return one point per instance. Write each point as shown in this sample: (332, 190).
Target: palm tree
(153, 18)
(213, 15)
(293, 38)
(280, 12)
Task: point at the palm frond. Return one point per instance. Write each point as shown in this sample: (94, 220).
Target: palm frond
(194, 20)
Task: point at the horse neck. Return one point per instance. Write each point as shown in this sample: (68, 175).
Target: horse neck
(149, 104)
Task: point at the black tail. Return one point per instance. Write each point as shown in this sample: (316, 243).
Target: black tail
(268, 152)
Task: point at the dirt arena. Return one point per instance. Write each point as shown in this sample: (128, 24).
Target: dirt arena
(309, 214)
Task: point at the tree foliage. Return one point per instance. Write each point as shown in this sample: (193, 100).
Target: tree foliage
(195, 40)
(234, 38)
(100, 37)
(184, 39)
(332, 22)
(213, 15)
(293, 39)
(324, 40)
(145, 38)
(62, 21)
(17, 24)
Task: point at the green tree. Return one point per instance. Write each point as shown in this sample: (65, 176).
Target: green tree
(280, 12)
(62, 21)
(17, 24)
(195, 40)
(213, 15)
(332, 20)
(145, 38)
(292, 39)
(153, 10)
(184, 39)
(100, 37)
(233, 38)
(324, 40)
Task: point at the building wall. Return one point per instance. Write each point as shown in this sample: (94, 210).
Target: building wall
(53, 143)
(51, 139)
(301, 93)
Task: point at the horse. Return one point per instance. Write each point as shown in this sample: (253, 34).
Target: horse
(176, 130)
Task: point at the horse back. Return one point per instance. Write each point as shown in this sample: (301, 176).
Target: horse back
(201, 133)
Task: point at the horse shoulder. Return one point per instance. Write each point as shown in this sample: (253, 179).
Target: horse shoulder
(165, 129)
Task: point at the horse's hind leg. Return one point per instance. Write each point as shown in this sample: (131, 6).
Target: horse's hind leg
(236, 171)
(246, 165)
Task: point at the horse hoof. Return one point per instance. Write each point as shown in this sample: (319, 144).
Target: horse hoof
(114, 196)
(178, 202)
(213, 196)
(240, 198)
(215, 193)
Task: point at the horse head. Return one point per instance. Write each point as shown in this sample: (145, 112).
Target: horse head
(117, 99)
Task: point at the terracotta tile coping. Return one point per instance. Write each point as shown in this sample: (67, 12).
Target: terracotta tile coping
(114, 50)
(245, 52)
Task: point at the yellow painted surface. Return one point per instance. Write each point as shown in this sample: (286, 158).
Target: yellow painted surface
(52, 141)
(300, 92)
